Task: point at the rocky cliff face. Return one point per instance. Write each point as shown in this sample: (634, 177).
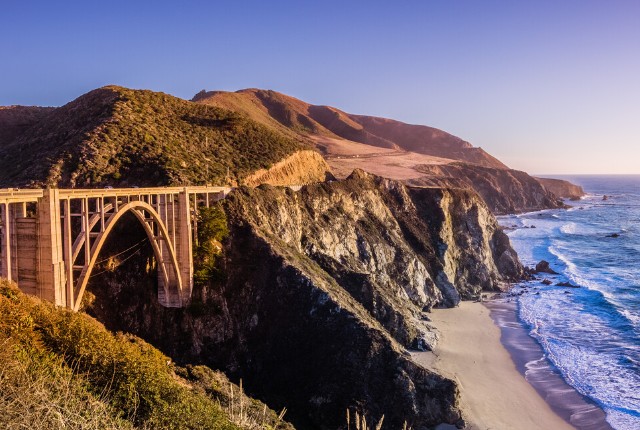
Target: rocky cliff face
(562, 188)
(504, 190)
(414, 242)
(301, 167)
(319, 293)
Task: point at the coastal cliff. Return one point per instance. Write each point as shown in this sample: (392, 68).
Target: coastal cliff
(504, 190)
(314, 297)
(318, 293)
(562, 188)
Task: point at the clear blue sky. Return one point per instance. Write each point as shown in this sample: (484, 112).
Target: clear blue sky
(546, 86)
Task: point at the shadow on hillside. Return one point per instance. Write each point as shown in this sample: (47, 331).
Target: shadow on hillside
(205, 122)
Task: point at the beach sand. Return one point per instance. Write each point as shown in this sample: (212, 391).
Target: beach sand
(494, 395)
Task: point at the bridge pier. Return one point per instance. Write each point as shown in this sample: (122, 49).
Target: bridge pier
(184, 238)
(50, 263)
(7, 232)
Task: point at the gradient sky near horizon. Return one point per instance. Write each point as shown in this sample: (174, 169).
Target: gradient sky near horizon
(546, 86)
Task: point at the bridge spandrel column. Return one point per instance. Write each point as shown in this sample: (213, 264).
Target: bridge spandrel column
(50, 270)
(165, 256)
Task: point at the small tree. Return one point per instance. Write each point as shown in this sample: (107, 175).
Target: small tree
(212, 229)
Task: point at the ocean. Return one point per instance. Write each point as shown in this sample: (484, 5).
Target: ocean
(590, 334)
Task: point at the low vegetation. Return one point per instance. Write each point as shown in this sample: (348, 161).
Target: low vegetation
(61, 370)
(119, 136)
(212, 230)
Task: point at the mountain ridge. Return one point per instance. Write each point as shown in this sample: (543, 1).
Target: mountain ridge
(418, 154)
(115, 136)
(122, 137)
(297, 115)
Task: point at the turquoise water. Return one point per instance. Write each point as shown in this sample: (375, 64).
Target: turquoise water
(590, 334)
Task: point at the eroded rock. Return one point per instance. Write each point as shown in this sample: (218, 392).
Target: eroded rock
(543, 267)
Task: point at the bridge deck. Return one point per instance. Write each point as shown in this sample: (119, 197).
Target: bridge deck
(14, 195)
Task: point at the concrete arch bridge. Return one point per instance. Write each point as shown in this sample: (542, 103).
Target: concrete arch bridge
(50, 239)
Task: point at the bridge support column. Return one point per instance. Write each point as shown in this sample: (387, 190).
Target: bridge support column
(6, 241)
(50, 264)
(184, 250)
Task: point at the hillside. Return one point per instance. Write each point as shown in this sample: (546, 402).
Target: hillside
(123, 137)
(284, 112)
(14, 120)
(504, 190)
(418, 154)
(64, 370)
(562, 188)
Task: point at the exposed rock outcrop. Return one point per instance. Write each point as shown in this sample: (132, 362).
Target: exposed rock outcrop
(544, 267)
(302, 167)
(321, 291)
(562, 188)
(504, 190)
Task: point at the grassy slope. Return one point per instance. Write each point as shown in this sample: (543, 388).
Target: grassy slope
(60, 369)
(119, 136)
(279, 110)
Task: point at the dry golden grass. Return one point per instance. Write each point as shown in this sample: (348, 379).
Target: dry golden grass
(39, 392)
(64, 370)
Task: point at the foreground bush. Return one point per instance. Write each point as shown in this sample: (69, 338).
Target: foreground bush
(60, 369)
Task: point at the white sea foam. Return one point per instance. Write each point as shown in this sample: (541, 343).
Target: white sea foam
(569, 228)
(633, 317)
(591, 334)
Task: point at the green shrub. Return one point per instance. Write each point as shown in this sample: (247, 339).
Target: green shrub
(128, 378)
(37, 388)
(212, 230)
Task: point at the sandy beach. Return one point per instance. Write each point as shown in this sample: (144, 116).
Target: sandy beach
(494, 395)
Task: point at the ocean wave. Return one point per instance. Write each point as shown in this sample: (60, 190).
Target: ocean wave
(591, 334)
(592, 372)
(569, 228)
(570, 269)
(632, 317)
(623, 420)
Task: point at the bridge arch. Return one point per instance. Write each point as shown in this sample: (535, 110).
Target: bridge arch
(172, 283)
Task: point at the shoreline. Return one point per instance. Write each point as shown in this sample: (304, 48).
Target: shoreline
(493, 393)
(530, 361)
